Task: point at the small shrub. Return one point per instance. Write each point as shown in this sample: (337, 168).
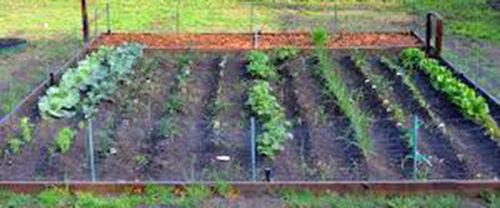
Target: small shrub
(64, 139)
(320, 36)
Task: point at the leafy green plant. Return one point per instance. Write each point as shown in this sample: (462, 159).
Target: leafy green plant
(64, 139)
(283, 54)
(168, 128)
(384, 92)
(26, 129)
(320, 36)
(271, 114)
(96, 77)
(472, 105)
(347, 101)
(259, 65)
(15, 143)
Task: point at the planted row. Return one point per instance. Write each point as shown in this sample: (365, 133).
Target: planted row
(346, 100)
(276, 129)
(94, 80)
(469, 102)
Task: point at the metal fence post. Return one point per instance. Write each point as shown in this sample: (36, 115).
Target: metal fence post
(91, 150)
(415, 146)
(85, 22)
(252, 149)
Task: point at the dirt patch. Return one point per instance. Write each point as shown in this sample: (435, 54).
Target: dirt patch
(265, 41)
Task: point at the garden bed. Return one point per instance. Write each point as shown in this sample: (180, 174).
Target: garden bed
(264, 41)
(185, 117)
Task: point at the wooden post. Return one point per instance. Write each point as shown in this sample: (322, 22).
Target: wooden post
(85, 23)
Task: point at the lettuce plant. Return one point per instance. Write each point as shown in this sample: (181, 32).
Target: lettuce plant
(94, 80)
(471, 104)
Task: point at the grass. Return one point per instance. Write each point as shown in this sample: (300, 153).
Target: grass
(200, 195)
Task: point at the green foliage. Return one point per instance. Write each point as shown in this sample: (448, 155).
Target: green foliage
(175, 103)
(15, 143)
(168, 128)
(381, 85)
(320, 37)
(195, 196)
(53, 198)
(259, 65)
(276, 129)
(12, 200)
(283, 54)
(159, 195)
(347, 101)
(470, 104)
(26, 129)
(64, 139)
(97, 77)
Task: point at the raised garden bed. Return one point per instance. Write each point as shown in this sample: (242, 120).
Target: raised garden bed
(184, 115)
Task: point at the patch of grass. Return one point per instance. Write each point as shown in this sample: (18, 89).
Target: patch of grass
(470, 18)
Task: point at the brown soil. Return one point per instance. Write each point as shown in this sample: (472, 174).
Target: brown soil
(432, 143)
(265, 41)
(389, 149)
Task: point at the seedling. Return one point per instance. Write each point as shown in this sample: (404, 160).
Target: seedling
(64, 139)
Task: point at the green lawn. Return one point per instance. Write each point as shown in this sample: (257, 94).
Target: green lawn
(224, 196)
(52, 28)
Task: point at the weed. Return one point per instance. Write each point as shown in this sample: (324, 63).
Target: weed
(54, 198)
(175, 103)
(64, 139)
(168, 128)
(195, 195)
(8, 199)
(155, 195)
(141, 160)
(283, 54)
(222, 188)
(220, 106)
(259, 65)
(320, 36)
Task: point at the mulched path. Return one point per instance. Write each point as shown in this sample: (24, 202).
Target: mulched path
(265, 41)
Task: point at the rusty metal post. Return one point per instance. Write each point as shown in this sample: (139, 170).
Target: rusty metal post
(85, 23)
(439, 36)
(438, 44)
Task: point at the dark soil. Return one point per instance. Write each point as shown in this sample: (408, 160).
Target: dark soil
(432, 143)
(294, 163)
(228, 132)
(388, 160)
(333, 156)
(480, 152)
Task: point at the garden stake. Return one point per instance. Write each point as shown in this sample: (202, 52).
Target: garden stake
(268, 174)
(252, 149)
(91, 150)
(417, 157)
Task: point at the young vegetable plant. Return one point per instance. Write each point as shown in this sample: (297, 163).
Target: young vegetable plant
(337, 89)
(64, 139)
(93, 81)
(24, 137)
(276, 129)
(472, 105)
(271, 114)
(384, 91)
(259, 65)
(414, 90)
